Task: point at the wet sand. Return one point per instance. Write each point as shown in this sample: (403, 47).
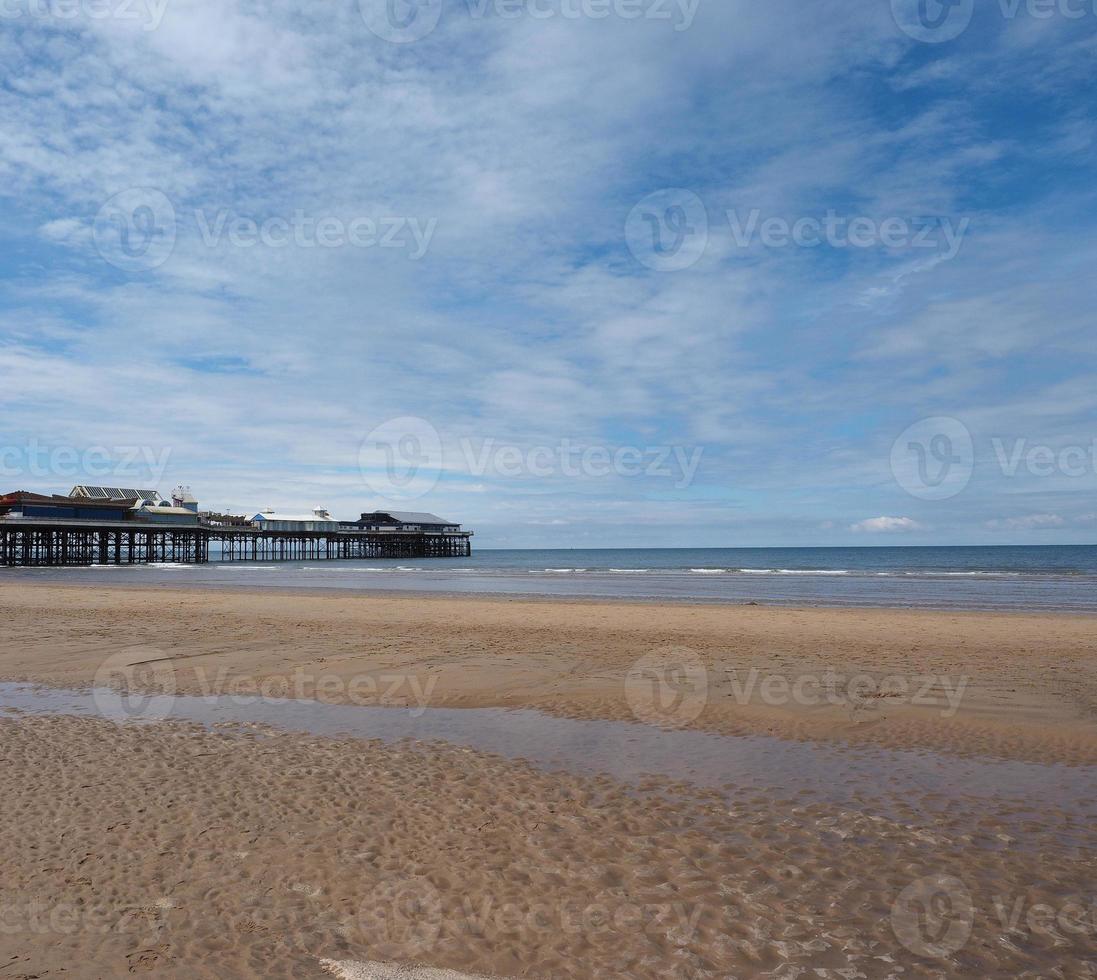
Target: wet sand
(1014, 685)
(134, 841)
(182, 852)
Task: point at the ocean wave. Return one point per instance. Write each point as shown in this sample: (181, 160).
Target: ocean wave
(247, 567)
(968, 574)
(792, 571)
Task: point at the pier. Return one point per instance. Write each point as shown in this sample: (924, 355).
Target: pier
(82, 543)
(120, 526)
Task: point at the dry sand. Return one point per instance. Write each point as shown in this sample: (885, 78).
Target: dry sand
(182, 852)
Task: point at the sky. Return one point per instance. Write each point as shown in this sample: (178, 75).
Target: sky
(576, 273)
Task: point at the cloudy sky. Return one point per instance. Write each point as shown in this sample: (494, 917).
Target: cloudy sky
(573, 272)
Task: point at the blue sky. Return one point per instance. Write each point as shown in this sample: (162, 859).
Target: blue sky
(561, 269)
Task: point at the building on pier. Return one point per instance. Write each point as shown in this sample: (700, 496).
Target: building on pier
(216, 519)
(23, 505)
(182, 497)
(318, 521)
(116, 494)
(164, 513)
(401, 520)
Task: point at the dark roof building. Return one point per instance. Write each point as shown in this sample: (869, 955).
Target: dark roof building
(403, 520)
(22, 505)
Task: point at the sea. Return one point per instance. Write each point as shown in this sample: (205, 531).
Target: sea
(1052, 577)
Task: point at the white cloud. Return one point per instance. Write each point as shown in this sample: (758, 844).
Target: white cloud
(1029, 522)
(885, 525)
(527, 321)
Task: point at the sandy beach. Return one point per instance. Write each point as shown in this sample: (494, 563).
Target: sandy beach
(240, 850)
(1015, 685)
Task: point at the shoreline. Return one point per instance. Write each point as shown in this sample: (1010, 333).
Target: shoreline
(1013, 685)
